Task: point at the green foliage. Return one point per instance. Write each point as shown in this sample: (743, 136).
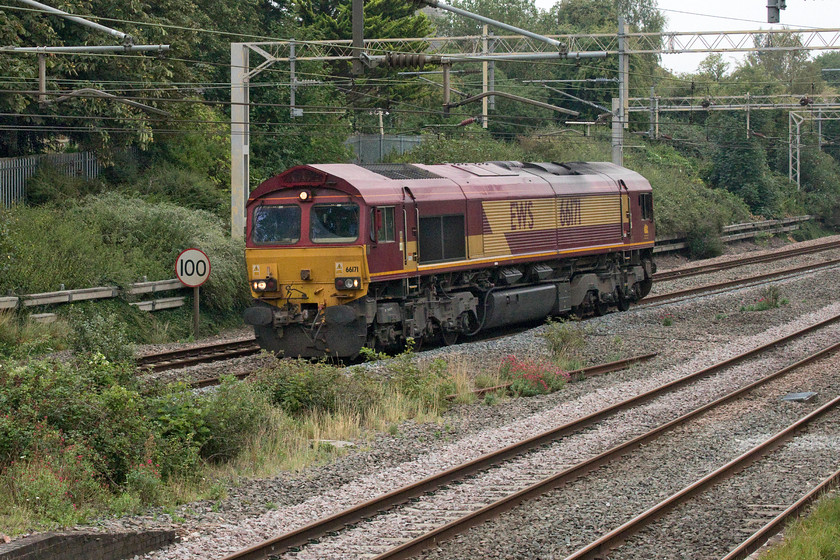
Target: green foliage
(460, 148)
(771, 298)
(55, 480)
(704, 241)
(532, 377)
(104, 334)
(50, 184)
(22, 337)
(299, 387)
(740, 166)
(78, 435)
(428, 383)
(816, 537)
(81, 401)
(7, 247)
(491, 399)
(682, 203)
(144, 481)
(565, 340)
(166, 183)
(371, 355)
(113, 240)
(234, 409)
(564, 145)
(110, 125)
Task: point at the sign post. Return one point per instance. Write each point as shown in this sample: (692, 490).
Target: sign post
(192, 267)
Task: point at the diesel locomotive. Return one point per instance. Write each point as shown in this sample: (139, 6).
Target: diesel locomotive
(342, 256)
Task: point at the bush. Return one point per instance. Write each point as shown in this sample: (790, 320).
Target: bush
(429, 383)
(298, 387)
(529, 378)
(56, 481)
(469, 148)
(231, 412)
(565, 340)
(50, 184)
(113, 240)
(102, 333)
(22, 337)
(153, 234)
(145, 482)
(704, 241)
(166, 183)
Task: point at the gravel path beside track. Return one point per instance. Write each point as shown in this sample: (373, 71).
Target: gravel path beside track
(704, 330)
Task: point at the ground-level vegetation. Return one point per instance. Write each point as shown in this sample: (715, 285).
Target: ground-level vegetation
(85, 437)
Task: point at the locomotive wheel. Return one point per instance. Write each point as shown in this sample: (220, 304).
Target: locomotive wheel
(623, 301)
(601, 307)
(448, 337)
(644, 287)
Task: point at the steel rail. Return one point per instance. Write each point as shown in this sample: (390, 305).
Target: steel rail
(590, 371)
(453, 528)
(598, 548)
(197, 355)
(757, 539)
(743, 281)
(706, 268)
(338, 521)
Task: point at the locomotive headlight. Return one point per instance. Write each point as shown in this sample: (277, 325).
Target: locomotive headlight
(348, 283)
(264, 285)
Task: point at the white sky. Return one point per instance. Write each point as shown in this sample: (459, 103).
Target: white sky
(735, 15)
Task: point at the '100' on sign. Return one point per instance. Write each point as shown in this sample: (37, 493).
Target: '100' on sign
(192, 267)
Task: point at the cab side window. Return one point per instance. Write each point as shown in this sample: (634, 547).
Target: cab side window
(646, 204)
(385, 234)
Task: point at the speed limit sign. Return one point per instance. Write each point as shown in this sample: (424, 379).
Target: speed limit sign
(192, 267)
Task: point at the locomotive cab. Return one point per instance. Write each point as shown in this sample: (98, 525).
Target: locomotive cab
(305, 253)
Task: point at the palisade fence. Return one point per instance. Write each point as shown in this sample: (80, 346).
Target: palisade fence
(14, 172)
(372, 148)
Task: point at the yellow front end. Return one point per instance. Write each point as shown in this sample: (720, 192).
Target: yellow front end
(309, 275)
(314, 302)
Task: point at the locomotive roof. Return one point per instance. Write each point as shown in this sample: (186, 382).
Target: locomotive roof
(387, 183)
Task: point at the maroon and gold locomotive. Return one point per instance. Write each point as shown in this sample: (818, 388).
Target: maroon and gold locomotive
(343, 256)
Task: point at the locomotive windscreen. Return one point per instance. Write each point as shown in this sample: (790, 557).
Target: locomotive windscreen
(276, 225)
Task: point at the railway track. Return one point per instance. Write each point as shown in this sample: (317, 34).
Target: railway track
(739, 282)
(501, 491)
(778, 522)
(163, 361)
(685, 272)
(227, 350)
(603, 545)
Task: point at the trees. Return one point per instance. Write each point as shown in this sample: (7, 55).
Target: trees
(104, 125)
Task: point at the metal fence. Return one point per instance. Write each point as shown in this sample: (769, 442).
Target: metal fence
(372, 148)
(14, 172)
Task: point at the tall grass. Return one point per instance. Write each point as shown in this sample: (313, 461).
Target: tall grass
(816, 537)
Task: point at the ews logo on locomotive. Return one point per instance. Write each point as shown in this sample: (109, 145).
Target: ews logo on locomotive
(522, 213)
